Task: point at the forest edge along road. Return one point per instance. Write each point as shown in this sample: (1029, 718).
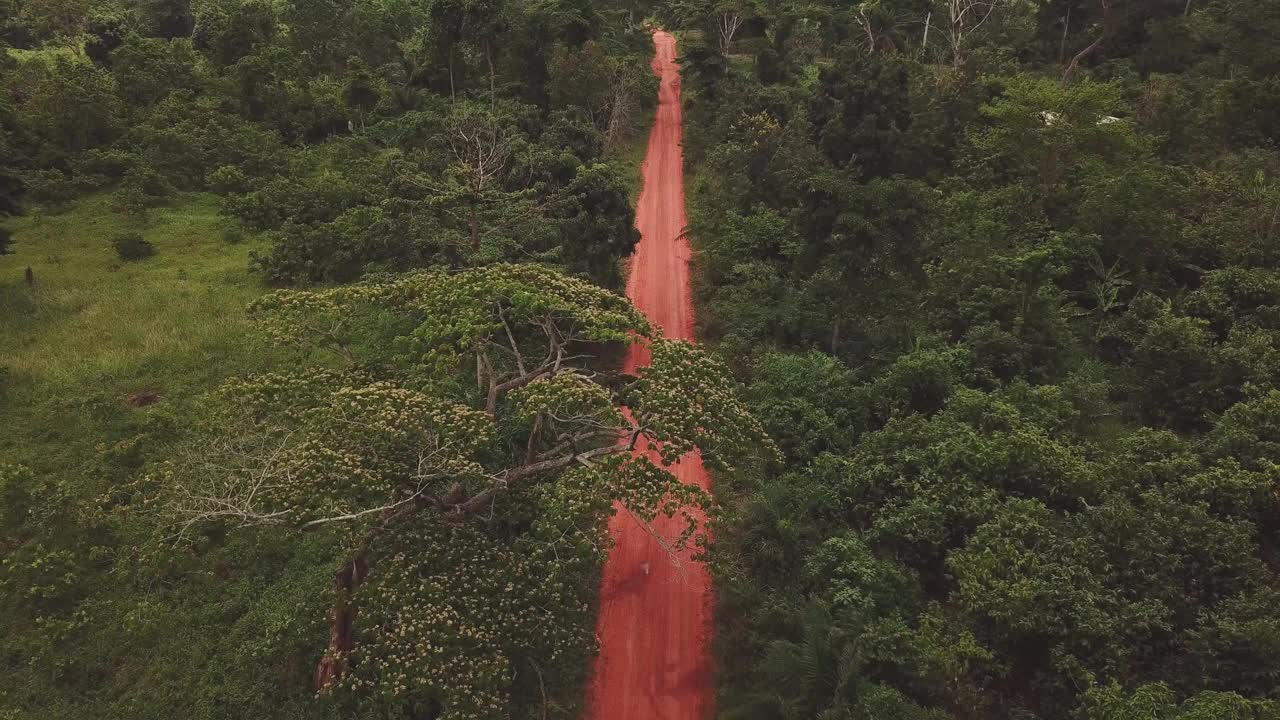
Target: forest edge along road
(655, 612)
(653, 626)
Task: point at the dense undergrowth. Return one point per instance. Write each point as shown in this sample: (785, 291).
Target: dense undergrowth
(105, 363)
(164, 165)
(1014, 324)
(1001, 278)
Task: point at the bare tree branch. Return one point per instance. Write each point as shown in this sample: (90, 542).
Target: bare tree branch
(1108, 27)
(962, 26)
(729, 22)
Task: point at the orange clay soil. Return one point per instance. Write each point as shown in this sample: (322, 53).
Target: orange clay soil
(655, 610)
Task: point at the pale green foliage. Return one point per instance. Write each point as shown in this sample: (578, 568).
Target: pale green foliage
(402, 454)
(648, 490)
(567, 398)
(340, 448)
(687, 399)
(450, 616)
(1040, 130)
(470, 308)
(1158, 702)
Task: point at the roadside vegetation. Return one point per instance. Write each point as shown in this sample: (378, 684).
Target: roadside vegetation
(1007, 300)
(309, 319)
(308, 336)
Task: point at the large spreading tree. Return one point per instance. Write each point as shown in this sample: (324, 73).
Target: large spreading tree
(469, 456)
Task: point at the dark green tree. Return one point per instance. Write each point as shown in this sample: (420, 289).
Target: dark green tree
(166, 18)
(361, 91)
(861, 111)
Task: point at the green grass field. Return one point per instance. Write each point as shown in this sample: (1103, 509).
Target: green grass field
(129, 627)
(131, 637)
(92, 328)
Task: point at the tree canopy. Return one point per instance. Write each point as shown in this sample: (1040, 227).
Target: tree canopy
(998, 278)
(405, 459)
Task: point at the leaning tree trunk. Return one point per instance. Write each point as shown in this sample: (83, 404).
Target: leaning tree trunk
(334, 664)
(1108, 28)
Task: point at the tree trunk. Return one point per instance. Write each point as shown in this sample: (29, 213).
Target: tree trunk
(618, 115)
(488, 56)
(491, 397)
(956, 34)
(531, 447)
(334, 664)
(1066, 28)
(729, 23)
(1075, 61)
(924, 45)
(452, 90)
(1107, 29)
(865, 22)
(473, 224)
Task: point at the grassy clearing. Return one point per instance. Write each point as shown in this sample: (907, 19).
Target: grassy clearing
(75, 345)
(93, 329)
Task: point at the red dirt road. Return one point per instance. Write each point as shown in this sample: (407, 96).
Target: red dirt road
(655, 616)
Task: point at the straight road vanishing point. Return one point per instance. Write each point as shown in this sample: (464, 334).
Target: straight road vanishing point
(655, 616)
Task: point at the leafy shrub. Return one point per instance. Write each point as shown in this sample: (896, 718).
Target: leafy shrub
(252, 209)
(148, 181)
(11, 187)
(108, 163)
(198, 135)
(106, 33)
(131, 202)
(311, 201)
(333, 251)
(67, 106)
(51, 187)
(148, 69)
(132, 246)
(228, 179)
(126, 453)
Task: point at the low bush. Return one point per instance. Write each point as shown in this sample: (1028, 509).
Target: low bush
(131, 202)
(50, 187)
(132, 246)
(228, 179)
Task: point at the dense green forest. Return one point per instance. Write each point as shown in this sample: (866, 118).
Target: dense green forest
(309, 328)
(1004, 278)
(308, 311)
